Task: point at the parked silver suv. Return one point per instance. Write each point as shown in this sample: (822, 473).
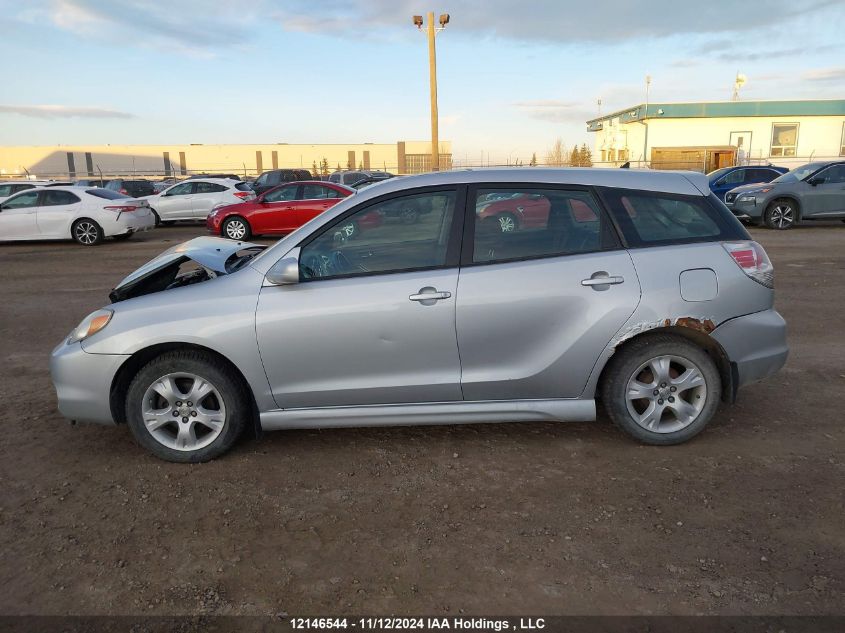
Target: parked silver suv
(639, 289)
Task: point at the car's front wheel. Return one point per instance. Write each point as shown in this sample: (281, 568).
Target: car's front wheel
(661, 389)
(185, 406)
(87, 232)
(781, 215)
(236, 229)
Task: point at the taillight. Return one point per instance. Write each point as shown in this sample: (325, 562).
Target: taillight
(123, 208)
(753, 261)
(243, 194)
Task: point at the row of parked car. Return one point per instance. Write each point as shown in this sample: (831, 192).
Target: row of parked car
(282, 200)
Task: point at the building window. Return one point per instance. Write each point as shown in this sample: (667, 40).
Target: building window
(842, 143)
(623, 155)
(784, 139)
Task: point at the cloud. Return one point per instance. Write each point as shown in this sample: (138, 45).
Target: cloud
(185, 26)
(825, 74)
(555, 110)
(64, 112)
(555, 21)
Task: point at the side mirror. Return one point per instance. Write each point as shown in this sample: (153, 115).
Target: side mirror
(285, 271)
(719, 182)
(815, 181)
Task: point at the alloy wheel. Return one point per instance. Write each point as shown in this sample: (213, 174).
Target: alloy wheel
(183, 411)
(235, 230)
(666, 394)
(506, 224)
(86, 232)
(782, 216)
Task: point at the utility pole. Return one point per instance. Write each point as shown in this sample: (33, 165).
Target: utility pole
(431, 31)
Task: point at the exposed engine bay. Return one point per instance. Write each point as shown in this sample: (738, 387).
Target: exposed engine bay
(192, 262)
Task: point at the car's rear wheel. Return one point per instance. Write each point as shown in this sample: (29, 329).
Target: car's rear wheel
(185, 406)
(781, 215)
(87, 232)
(236, 228)
(661, 389)
(156, 216)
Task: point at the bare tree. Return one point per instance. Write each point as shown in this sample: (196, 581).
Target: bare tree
(557, 155)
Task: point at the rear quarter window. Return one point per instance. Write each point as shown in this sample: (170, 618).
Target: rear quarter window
(648, 218)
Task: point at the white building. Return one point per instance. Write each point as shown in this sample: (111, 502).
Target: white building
(708, 135)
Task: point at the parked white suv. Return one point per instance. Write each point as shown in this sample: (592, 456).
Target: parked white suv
(194, 199)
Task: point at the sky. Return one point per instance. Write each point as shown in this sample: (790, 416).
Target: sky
(512, 76)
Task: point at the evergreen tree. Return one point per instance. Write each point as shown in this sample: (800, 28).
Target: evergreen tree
(324, 167)
(586, 158)
(533, 162)
(575, 157)
(314, 171)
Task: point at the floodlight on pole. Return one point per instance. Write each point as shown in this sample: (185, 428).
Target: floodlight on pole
(431, 31)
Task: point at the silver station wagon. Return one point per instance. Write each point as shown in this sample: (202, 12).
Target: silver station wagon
(514, 295)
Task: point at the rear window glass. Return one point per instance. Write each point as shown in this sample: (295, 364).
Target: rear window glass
(242, 186)
(108, 194)
(650, 219)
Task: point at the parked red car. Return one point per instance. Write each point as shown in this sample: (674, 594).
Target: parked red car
(279, 210)
(516, 211)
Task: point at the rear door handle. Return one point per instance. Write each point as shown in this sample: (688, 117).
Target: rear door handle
(429, 296)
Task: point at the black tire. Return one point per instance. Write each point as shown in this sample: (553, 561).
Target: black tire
(167, 222)
(507, 222)
(231, 224)
(87, 232)
(122, 238)
(628, 360)
(228, 385)
(781, 214)
(157, 217)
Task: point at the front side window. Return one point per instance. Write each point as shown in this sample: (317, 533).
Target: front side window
(21, 201)
(651, 219)
(57, 198)
(181, 190)
(209, 187)
(5, 191)
(736, 177)
(834, 174)
(784, 139)
(526, 223)
(377, 239)
(282, 194)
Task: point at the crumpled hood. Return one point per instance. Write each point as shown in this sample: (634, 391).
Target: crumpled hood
(211, 253)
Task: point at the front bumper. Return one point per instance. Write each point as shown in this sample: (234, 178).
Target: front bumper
(745, 210)
(755, 345)
(83, 382)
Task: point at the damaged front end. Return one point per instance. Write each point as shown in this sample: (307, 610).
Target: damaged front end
(191, 262)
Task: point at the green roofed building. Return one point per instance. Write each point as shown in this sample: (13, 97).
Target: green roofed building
(707, 135)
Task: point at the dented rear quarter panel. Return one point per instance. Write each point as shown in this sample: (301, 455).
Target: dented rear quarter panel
(659, 270)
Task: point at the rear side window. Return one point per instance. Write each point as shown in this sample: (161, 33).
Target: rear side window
(52, 198)
(209, 187)
(650, 219)
(5, 191)
(512, 224)
(106, 194)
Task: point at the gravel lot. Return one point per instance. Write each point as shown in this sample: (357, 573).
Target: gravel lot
(498, 519)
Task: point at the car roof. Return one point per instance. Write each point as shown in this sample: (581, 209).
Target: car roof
(679, 182)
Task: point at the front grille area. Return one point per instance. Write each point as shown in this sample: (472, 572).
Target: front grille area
(730, 197)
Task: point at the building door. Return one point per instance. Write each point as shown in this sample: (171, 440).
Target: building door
(742, 142)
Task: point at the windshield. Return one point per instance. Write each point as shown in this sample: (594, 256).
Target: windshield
(715, 175)
(799, 173)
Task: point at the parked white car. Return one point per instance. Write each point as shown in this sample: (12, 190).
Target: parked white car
(85, 214)
(9, 188)
(194, 199)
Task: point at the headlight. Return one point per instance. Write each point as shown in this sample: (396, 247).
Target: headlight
(747, 198)
(90, 325)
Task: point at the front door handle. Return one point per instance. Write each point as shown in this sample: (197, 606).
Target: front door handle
(601, 280)
(428, 296)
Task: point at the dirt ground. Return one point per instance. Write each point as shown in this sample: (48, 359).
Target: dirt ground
(484, 519)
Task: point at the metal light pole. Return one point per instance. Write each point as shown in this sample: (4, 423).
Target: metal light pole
(431, 31)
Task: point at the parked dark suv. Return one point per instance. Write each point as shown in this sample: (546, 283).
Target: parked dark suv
(133, 188)
(723, 180)
(270, 179)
